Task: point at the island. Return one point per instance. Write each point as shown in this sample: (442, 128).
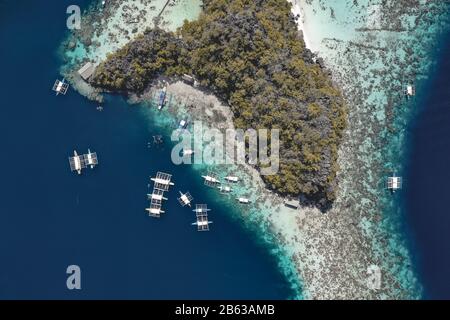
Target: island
(250, 55)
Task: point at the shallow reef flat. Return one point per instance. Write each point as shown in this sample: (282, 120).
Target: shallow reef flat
(371, 51)
(374, 49)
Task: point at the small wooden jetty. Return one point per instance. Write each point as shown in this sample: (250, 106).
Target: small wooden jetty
(202, 223)
(188, 152)
(60, 87)
(394, 183)
(211, 179)
(162, 183)
(162, 98)
(185, 199)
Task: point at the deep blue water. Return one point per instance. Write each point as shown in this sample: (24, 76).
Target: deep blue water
(51, 218)
(428, 181)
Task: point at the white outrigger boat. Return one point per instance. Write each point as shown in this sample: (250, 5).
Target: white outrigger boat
(211, 180)
(154, 211)
(224, 189)
(201, 208)
(410, 91)
(162, 183)
(202, 223)
(182, 125)
(232, 179)
(90, 159)
(185, 199)
(243, 200)
(394, 183)
(77, 162)
(60, 87)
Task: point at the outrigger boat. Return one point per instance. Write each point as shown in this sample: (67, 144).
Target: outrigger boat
(188, 152)
(232, 179)
(394, 183)
(410, 91)
(185, 199)
(210, 180)
(202, 223)
(224, 189)
(90, 159)
(162, 183)
(157, 195)
(243, 200)
(162, 98)
(154, 211)
(183, 124)
(77, 162)
(201, 208)
(60, 87)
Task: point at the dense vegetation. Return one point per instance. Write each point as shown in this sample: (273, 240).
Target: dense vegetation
(131, 68)
(250, 54)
